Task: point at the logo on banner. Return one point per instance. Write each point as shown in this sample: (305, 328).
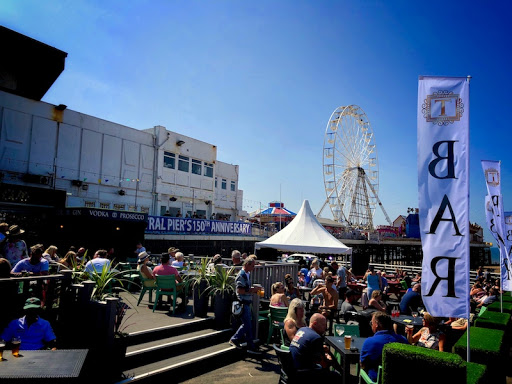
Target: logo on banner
(492, 176)
(508, 220)
(442, 108)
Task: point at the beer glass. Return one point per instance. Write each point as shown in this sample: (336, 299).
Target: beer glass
(16, 342)
(348, 341)
(2, 347)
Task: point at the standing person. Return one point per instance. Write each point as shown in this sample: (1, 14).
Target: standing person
(35, 264)
(98, 262)
(307, 350)
(15, 248)
(371, 352)
(341, 284)
(373, 280)
(330, 297)
(139, 249)
(244, 292)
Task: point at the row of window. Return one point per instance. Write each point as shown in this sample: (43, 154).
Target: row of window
(198, 167)
(184, 166)
(224, 184)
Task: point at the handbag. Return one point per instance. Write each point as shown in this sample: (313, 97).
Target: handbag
(236, 308)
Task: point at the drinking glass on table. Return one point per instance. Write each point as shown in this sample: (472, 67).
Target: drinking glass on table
(414, 314)
(16, 342)
(339, 329)
(2, 347)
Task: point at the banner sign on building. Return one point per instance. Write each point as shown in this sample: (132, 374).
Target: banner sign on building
(495, 217)
(443, 189)
(178, 225)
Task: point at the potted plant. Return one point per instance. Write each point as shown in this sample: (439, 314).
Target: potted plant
(222, 290)
(200, 283)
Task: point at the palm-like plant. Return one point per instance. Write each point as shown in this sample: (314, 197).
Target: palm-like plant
(201, 276)
(105, 280)
(222, 282)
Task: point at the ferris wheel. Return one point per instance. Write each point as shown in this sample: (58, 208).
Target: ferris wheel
(350, 168)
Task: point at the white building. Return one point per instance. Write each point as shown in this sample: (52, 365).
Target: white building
(106, 165)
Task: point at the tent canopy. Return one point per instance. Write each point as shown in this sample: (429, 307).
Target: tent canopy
(305, 234)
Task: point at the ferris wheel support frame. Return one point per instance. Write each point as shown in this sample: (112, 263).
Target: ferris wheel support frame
(378, 199)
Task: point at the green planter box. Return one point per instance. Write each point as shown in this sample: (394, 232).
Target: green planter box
(496, 307)
(507, 298)
(403, 363)
(493, 320)
(487, 348)
(476, 373)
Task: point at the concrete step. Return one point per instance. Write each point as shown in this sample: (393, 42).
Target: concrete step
(153, 351)
(183, 366)
(158, 333)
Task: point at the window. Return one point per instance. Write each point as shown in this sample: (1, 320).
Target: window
(208, 169)
(183, 163)
(215, 182)
(233, 186)
(132, 208)
(119, 207)
(144, 209)
(224, 183)
(169, 160)
(90, 204)
(196, 167)
(105, 205)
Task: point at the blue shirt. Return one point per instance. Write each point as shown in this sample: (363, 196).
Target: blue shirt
(33, 337)
(342, 276)
(371, 353)
(243, 281)
(306, 348)
(411, 299)
(24, 265)
(97, 265)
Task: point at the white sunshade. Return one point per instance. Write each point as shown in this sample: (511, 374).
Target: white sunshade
(305, 234)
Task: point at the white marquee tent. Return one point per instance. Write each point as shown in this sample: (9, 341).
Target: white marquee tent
(305, 234)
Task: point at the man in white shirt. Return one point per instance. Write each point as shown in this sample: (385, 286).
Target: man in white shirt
(178, 263)
(98, 262)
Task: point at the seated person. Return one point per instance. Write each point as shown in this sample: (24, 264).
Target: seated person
(98, 262)
(35, 333)
(371, 352)
(35, 264)
(278, 298)
(460, 324)
(330, 297)
(429, 336)
(376, 301)
(295, 319)
(307, 349)
(348, 304)
(165, 269)
(488, 299)
(179, 263)
(216, 263)
(411, 300)
(142, 266)
(292, 292)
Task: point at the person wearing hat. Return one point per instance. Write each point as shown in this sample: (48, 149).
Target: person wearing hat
(15, 249)
(35, 333)
(142, 266)
(172, 253)
(36, 264)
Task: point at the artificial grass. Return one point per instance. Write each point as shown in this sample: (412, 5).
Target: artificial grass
(407, 362)
(496, 307)
(476, 373)
(493, 320)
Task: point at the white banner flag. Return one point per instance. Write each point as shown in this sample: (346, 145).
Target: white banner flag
(443, 189)
(495, 217)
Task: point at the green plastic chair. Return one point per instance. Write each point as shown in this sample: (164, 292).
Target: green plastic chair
(364, 378)
(403, 283)
(350, 329)
(147, 285)
(128, 273)
(276, 317)
(166, 285)
(284, 336)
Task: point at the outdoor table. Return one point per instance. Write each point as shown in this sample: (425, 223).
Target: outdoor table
(417, 322)
(62, 365)
(358, 287)
(305, 290)
(347, 356)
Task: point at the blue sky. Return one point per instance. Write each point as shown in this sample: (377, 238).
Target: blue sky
(260, 79)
